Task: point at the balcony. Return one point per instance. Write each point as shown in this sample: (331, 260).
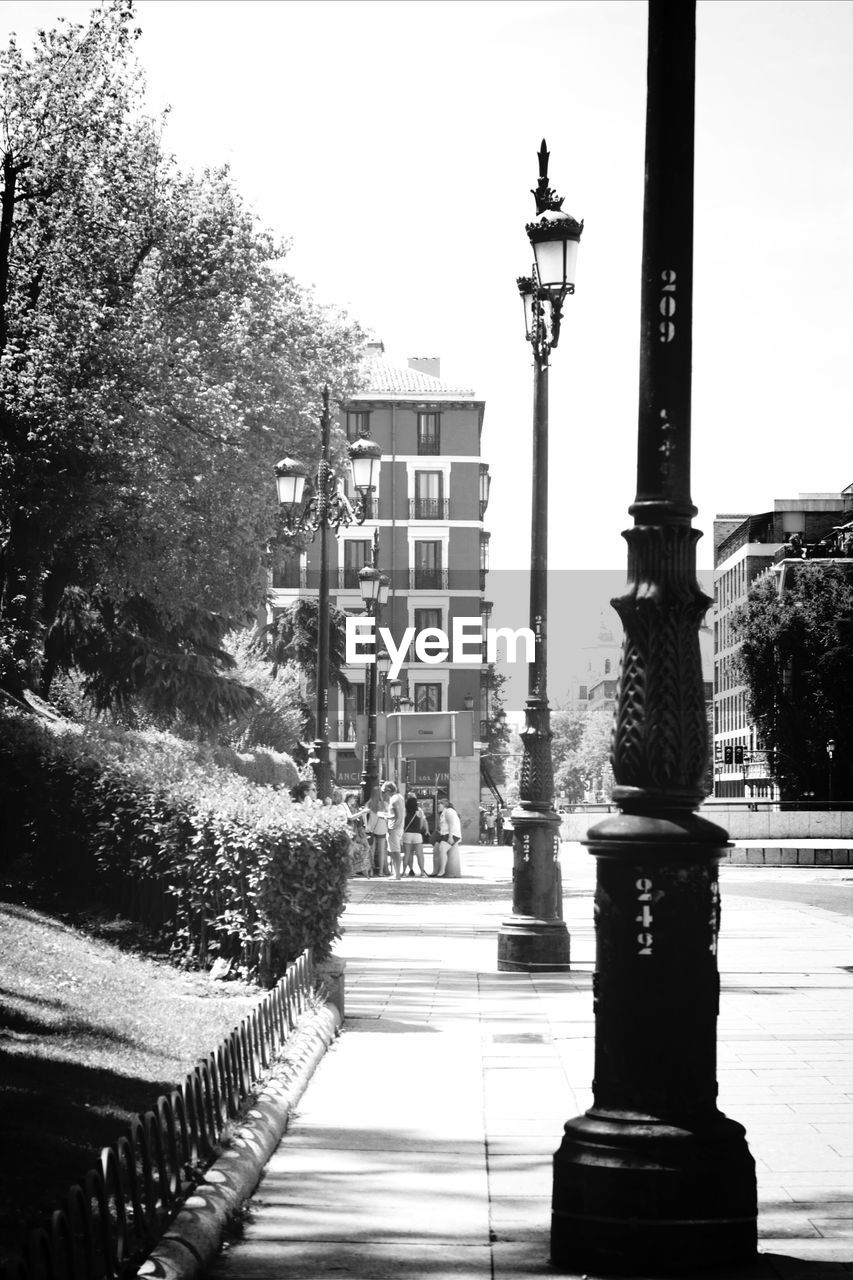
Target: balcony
(290, 577)
(347, 579)
(428, 579)
(429, 446)
(344, 731)
(429, 509)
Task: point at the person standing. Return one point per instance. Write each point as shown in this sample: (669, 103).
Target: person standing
(376, 822)
(450, 834)
(414, 832)
(304, 793)
(490, 825)
(396, 822)
(360, 851)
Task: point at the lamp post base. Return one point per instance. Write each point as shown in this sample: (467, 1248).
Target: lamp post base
(528, 945)
(535, 938)
(633, 1195)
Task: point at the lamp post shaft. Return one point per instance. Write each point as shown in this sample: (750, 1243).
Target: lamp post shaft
(535, 938)
(653, 1177)
(370, 775)
(322, 768)
(537, 676)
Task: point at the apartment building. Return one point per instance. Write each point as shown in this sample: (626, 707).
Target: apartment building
(433, 547)
(745, 547)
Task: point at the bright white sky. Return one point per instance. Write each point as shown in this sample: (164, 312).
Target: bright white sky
(395, 141)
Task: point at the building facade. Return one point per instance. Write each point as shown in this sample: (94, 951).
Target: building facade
(746, 547)
(429, 510)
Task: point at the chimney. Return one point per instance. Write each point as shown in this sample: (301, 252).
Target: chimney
(373, 349)
(430, 365)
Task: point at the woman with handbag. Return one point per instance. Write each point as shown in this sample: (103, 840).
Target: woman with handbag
(376, 822)
(415, 830)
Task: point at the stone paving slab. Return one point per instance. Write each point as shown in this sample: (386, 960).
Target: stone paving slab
(423, 1145)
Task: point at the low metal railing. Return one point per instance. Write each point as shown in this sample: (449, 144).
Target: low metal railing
(114, 1216)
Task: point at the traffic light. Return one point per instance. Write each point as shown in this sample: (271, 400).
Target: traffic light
(728, 757)
(738, 755)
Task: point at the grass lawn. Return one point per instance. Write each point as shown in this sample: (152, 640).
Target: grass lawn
(90, 1034)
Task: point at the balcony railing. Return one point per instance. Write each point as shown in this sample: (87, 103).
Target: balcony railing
(428, 579)
(470, 579)
(343, 730)
(292, 577)
(429, 509)
(429, 446)
(348, 578)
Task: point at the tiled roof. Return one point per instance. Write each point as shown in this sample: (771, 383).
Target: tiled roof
(385, 379)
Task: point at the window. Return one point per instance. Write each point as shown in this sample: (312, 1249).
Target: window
(429, 434)
(357, 553)
(425, 619)
(427, 697)
(429, 501)
(353, 706)
(358, 424)
(428, 570)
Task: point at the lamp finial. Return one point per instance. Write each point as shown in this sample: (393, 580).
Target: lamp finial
(545, 197)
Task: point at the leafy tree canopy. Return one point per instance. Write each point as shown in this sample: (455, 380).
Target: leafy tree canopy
(497, 731)
(155, 361)
(796, 659)
(581, 747)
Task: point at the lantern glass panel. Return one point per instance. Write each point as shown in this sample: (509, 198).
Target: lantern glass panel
(368, 582)
(556, 261)
(290, 489)
(365, 471)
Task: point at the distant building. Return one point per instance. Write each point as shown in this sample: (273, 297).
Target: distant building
(814, 526)
(429, 510)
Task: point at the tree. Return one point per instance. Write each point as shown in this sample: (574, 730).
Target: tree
(581, 748)
(796, 659)
(494, 730)
(155, 361)
(276, 719)
(293, 636)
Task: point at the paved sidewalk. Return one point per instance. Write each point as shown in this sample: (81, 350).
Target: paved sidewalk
(422, 1147)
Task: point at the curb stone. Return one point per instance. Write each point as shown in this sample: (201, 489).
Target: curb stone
(193, 1238)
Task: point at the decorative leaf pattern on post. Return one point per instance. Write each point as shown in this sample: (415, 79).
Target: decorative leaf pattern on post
(660, 740)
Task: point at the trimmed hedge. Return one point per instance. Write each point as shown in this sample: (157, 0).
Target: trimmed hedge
(214, 865)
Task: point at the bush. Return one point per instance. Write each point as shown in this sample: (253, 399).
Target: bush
(262, 765)
(214, 864)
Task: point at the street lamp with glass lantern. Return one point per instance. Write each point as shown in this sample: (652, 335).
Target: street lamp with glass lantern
(327, 508)
(535, 938)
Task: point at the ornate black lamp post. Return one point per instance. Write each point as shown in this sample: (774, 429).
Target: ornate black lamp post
(653, 1178)
(536, 937)
(374, 592)
(327, 508)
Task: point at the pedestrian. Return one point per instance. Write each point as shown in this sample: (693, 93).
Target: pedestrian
(336, 801)
(499, 826)
(396, 822)
(449, 834)
(376, 822)
(415, 831)
(360, 852)
(305, 794)
(490, 825)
